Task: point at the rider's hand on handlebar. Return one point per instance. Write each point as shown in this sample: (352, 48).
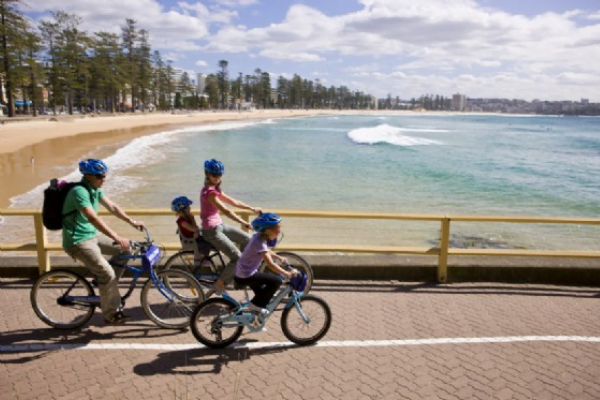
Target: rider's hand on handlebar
(139, 225)
(292, 273)
(122, 242)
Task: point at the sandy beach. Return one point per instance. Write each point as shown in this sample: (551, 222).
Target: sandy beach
(31, 151)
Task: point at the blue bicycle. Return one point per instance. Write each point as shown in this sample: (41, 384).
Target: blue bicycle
(65, 299)
(219, 321)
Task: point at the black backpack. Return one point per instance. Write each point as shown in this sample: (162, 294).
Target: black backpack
(54, 199)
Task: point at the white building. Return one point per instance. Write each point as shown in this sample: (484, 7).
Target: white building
(459, 102)
(201, 85)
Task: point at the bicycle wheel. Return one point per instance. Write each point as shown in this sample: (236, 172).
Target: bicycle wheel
(305, 326)
(300, 264)
(207, 327)
(51, 304)
(170, 300)
(204, 271)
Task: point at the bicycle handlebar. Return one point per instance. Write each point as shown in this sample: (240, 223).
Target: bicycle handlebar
(135, 245)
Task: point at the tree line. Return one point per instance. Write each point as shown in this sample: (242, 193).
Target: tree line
(103, 71)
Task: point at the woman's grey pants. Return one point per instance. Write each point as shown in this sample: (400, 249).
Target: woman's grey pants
(224, 237)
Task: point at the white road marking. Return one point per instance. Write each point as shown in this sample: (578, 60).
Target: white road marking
(33, 347)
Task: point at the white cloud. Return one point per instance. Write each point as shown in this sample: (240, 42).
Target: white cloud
(175, 29)
(434, 46)
(237, 3)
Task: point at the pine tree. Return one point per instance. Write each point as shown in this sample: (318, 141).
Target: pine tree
(10, 19)
(129, 37)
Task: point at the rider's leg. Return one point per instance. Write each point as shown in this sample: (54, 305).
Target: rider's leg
(264, 285)
(108, 247)
(225, 245)
(89, 253)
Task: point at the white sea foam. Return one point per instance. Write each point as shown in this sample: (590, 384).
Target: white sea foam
(390, 134)
(142, 150)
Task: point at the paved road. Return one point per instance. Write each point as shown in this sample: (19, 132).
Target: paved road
(389, 340)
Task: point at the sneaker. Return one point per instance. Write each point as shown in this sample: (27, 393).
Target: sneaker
(118, 319)
(258, 309)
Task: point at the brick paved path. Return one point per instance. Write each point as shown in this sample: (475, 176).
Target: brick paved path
(492, 341)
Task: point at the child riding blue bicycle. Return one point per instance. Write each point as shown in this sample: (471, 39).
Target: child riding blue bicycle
(263, 284)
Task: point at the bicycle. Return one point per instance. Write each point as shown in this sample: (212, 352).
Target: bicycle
(208, 269)
(219, 321)
(65, 299)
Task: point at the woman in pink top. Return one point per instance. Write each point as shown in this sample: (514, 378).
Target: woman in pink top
(221, 236)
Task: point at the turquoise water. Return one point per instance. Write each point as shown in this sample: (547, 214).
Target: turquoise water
(454, 164)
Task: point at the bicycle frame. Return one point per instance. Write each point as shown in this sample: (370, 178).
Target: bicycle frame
(255, 322)
(149, 254)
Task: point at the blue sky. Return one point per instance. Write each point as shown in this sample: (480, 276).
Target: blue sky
(548, 50)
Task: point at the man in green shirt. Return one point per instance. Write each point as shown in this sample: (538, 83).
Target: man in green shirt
(83, 242)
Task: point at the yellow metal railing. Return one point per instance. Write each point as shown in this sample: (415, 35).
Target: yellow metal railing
(42, 247)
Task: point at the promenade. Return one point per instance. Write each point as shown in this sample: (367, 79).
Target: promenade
(388, 340)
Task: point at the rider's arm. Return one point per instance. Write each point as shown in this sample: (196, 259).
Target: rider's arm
(274, 267)
(279, 258)
(214, 200)
(95, 220)
(239, 204)
(119, 213)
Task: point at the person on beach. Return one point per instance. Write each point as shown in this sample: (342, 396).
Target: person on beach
(81, 240)
(263, 284)
(222, 237)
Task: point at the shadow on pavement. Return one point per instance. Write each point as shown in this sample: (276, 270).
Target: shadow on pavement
(79, 337)
(202, 360)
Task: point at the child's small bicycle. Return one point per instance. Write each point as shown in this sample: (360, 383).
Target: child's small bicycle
(64, 299)
(219, 321)
(208, 269)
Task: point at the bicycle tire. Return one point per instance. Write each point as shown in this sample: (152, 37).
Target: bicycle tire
(184, 260)
(300, 332)
(172, 306)
(298, 263)
(47, 291)
(206, 330)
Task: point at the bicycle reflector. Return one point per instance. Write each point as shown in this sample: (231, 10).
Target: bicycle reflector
(299, 282)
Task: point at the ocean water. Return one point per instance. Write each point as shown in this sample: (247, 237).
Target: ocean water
(410, 163)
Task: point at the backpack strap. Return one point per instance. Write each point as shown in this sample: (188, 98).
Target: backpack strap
(76, 210)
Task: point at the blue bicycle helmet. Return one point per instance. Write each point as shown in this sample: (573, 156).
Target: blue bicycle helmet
(214, 167)
(180, 203)
(265, 221)
(93, 167)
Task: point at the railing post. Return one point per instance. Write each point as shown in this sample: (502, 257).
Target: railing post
(442, 270)
(246, 217)
(41, 240)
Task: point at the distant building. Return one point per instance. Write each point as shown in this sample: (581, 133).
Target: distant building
(585, 101)
(274, 95)
(201, 85)
(176, 74)
(459, 102)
